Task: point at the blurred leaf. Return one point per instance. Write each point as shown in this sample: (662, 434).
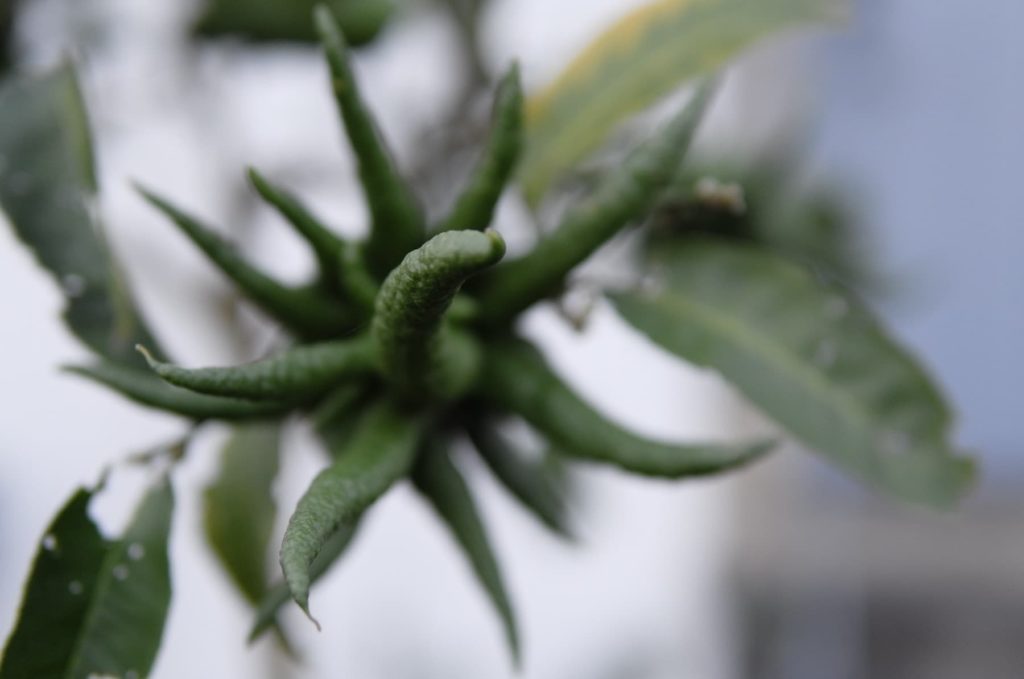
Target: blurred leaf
(291, 20)
(811, 359)
(540, 485)
(91, 606)
(768, 202)
(641, 58)
(47, 189)
(8, 11)
(441, 483)
(239, 509)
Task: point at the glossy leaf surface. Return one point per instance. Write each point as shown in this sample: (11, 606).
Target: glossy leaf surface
(811, 359)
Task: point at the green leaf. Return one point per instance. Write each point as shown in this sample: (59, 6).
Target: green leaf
(476, 204)
(47, 189)
(8, 12)
(518, 379)
(289, 20)
(307, 310)
(326, 245)
(239, 509)
(638, 60)
(336, 419)
(437, 478)
(279, 594)
(417, 350)
(624, 195)
(811, 359)
(530, 481)
(147, 389)
(297, 373)
(397, 221)
(94, 606)
(380, 452)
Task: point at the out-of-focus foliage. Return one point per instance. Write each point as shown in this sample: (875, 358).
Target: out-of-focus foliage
(641, 58)
(48, 190)
(289, 20)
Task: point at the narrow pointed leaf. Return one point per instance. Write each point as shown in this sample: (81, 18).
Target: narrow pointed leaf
(627, 194)
(417, 351)
(277, 595)
(326, 245)
(641, 58)
(518, 379)
(47, 189)
(307, 311)
(397, 222)
(94, 607)
(297, 373)
(335, 421)
(380, 452)
(529, 481)
(239, 508)
(811, 359)
(149, 390)
(437, 478)
(475, 206)
(289, 20)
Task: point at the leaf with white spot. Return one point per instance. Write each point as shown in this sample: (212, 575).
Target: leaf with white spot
(94, 606)
(47, 184)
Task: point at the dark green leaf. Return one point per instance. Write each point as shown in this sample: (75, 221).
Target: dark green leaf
(811, 359)
(437, 478)
(306, 310)
(294, 374)
(290, 20)
(326, 245)
(380, 452)
(47, 189)
(336, 419)
(94, 607)
(416, 348)
(147, 389)
(626, 194)
(397, 222)
(530, 481)
(278, 595)
(517, 378)
(475, 206)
